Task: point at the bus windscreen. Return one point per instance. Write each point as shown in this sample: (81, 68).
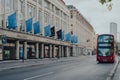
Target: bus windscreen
(105, 51)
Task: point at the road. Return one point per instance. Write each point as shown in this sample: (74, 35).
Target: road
(83, 68)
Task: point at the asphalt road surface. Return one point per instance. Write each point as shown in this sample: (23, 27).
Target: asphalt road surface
(83, 68)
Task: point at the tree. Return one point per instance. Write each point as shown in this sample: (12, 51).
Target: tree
(107, 2)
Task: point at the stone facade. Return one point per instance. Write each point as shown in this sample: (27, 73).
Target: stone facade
(21, 44)
(52, 12)
(27, 45)
(80, 26)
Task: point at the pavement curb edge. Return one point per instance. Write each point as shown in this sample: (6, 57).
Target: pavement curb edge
(113, 71)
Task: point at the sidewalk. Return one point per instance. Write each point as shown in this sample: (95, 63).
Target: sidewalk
(11, 64)
(117, 74)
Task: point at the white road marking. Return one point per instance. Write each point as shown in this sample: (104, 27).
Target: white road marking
(39, 76)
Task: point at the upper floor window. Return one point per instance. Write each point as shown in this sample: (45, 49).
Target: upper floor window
(60, 12)
(64, 16)
(7, 4)
(21, 5)
(1, 6)
(40, 15)
(46, 4)
(35, 0)
(10, 5)
(13, 4)
(52, 8)
(31, 11)
(52, 20)
(57, 22)
(57, 11)
(46, 18)
(40, 2)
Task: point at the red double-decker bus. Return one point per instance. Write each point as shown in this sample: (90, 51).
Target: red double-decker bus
(105, 48)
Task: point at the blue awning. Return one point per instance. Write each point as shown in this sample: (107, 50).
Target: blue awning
(36, 27)
(29, 25)
(47, 31)
(12, 21)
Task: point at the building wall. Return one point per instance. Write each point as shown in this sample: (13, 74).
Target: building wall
(52, 12)
(48, 12)
(81, 27)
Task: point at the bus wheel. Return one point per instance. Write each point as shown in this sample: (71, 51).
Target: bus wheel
(98, 62)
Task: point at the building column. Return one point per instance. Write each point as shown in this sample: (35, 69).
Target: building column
(37, 50)
(78, 51)
(67, 51)
(71, 51)
(25, 50)
(82, 51)
(17, 50)
(50, 51)
(59, 53)
(53, 51)
(62, 51)
(42, 51)
(74, 51)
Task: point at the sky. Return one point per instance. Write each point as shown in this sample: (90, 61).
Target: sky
(97, 14)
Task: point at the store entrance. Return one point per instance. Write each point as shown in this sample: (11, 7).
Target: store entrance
(31, 53)
(8, 53)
